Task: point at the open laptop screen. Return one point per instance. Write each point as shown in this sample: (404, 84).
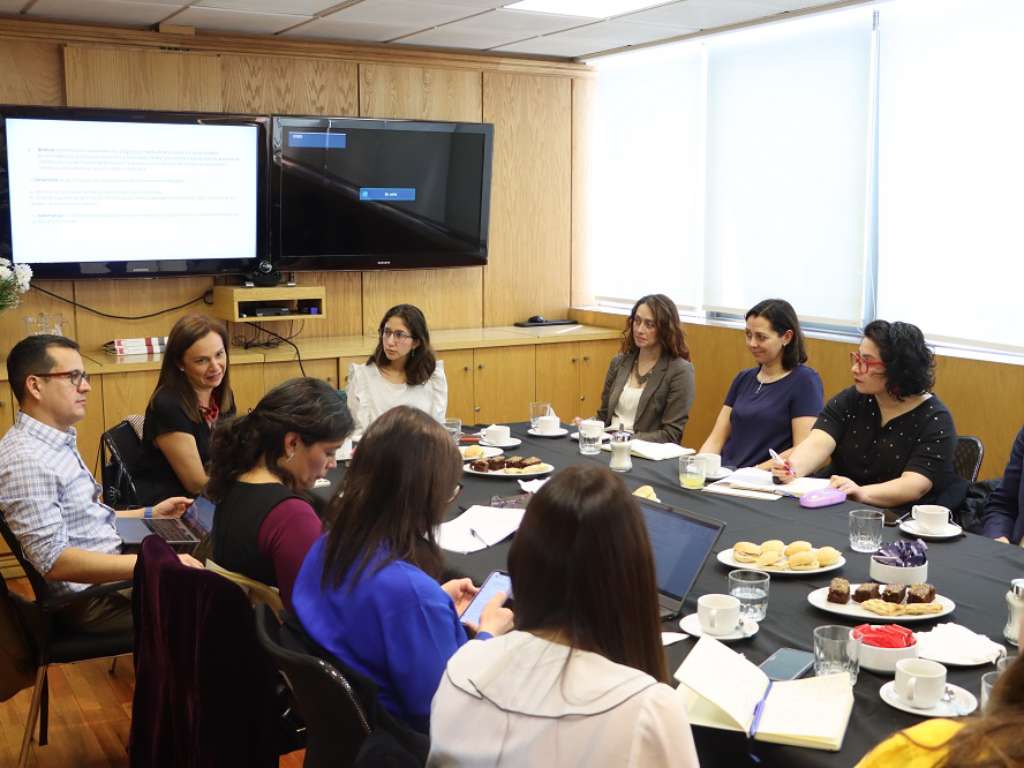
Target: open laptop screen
(681, 543)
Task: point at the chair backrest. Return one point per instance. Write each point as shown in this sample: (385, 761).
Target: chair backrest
(40, 585)
(967, 457)
(336, 722)
(121, 452)
(258, 592)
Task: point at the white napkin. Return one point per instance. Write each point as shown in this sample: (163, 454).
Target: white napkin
(956, 644)
(654, 451)
(669, 638)
(532, 486)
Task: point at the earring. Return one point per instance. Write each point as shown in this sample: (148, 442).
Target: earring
(290, 457)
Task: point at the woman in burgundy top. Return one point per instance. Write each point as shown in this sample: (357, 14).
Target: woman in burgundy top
(261, 465)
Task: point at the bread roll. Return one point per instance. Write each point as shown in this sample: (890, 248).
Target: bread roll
(771, 557)
(803, 561)
(797, 546)
(828, 556)
(777, 544)
(746, 552)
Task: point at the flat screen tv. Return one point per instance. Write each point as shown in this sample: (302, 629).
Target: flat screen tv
(351, 193)
(117, 193)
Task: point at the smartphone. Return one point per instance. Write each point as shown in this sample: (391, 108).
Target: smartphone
(498, 581)
(787, 664)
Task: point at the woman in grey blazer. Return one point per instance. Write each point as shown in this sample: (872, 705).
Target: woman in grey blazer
(650, 385)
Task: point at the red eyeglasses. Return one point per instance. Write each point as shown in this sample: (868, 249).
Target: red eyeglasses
(862, 364)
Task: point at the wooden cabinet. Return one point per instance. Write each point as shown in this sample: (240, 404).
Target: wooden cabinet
(504, 384)
(6, 407)
(571, 375)
(343, 365)
(458, 370)
(595, 357)
(248, 384)
(278, 373)
(124, 394)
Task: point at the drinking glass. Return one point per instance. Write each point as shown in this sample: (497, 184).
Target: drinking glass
(751, 589)
(591, 433)
(536, 411)
(988, 681)
(691, 472)
(454, 428)
(836, 650)
(1004, 662)
(865, 530)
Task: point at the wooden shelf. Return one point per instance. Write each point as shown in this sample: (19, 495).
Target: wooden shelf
(304, 302)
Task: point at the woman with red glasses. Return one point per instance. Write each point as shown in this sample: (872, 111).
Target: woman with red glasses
(890, 440)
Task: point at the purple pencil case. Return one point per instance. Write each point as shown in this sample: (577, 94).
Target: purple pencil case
(822, 497)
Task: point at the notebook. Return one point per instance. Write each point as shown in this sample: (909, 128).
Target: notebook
(184, 533)
(681, 543)
(721, 689)
(760, 480)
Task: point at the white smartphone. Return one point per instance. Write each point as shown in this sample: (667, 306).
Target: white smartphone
(497, 581)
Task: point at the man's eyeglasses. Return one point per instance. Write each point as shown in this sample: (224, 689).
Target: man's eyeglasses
(862, 364)
(398, 336)
(75, 377)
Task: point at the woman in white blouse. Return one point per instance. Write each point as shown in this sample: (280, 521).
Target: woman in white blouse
(401, 371)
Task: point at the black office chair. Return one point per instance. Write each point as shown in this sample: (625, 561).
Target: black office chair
(967, 457)
(54, 643)
(120, 454)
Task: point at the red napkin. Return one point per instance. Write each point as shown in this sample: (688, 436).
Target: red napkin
(884, 636)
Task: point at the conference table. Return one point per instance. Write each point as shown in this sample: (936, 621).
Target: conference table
(973, 571)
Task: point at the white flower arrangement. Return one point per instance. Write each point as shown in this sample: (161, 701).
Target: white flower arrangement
(14, 281)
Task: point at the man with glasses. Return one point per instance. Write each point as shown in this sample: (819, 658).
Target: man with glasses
(49, 498)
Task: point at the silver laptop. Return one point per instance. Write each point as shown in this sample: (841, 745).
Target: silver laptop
(184, 533)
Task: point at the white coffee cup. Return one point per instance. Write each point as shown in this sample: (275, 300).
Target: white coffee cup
(718, 614)
(712, 462)
(497, 434)
(920, 682)
(591, 427)
(930, 517)
(546, 425)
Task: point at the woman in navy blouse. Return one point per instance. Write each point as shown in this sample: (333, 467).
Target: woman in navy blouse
(368, 589)
(1003, 519)
(774, 404)
(890, 440)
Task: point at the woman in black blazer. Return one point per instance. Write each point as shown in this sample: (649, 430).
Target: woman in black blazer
(650, 384)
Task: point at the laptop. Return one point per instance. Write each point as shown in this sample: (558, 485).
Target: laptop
(184, 533)
(681, 542)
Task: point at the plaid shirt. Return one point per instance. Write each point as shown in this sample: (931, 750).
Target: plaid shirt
(49, 498)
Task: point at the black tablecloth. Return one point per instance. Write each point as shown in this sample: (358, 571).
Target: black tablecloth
(973, 571)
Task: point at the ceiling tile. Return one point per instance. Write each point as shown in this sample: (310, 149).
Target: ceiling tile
(236, 21)
(489, 30)
(477, 5)
(413, 14)
(116, 12)
(299, 7)
(594, 38)
(328, 29)
(703, 14)
(792, 5)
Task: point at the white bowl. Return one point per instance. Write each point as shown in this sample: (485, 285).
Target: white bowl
(884, 659)
(892, 574)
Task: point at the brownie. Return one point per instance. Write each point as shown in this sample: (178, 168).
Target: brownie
(839, 591)
(893, 593)
(869, 590)
(480, 465)
(921, 593)
(498, 462)
(515, 462)
(532, 461)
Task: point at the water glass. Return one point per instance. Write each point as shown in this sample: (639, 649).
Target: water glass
(866, 530)
(536, 411)
(1004, 662)
(751, 589)
(836, 650)
(988, 681)
(454, 428)
(591, 432)
(691, 472)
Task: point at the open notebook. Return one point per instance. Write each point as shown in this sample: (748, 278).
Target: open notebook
(760, 480)
(721, 689)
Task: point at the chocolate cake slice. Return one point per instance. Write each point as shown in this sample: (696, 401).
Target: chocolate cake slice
(894, 593)
(921, 593)
(480, 465)
(839, 591)
(498, 462)
(869, 590)
(514, 462)
(531, 461)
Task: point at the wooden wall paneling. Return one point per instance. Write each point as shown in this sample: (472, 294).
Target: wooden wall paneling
(582, 100)
(277, 373)
(6, 407)
(13, 327)
(32, 72)
(125, 394)
(458, 371)
(91, 428)
(289, 85)
(142, 79)
(450, 298)
(248, 385)
(594, 359)
(343, 366)
(717, 354)
(343, 306)
(831, 359)
(558, 378)
(132, 297)
(504, 383)
(528, 270)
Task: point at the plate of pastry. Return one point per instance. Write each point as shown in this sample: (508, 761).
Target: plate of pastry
(508, 466)
(881, 602)
(798, 558)
(475, 452)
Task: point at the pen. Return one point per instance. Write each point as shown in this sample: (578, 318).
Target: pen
(478, 537)
(782, 463)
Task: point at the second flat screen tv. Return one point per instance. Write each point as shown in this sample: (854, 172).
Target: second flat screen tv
(351, 193)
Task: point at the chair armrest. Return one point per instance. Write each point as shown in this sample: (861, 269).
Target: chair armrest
(58, 602)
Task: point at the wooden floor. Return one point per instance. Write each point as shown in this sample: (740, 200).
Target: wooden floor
(90, 715)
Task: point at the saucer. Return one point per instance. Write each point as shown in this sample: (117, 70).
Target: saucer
(691, 625)
(951, 530)
(721, 474)
(514, 442)
(605, 437)
(963, 702)
(560, 432)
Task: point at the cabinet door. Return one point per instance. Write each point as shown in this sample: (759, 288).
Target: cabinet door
(558, 378)
(343, 364)
(91, 428)
(248, 385)
(504, 383)
(278, 373)
(125, 394)
(458, 371)
(6, 407)
(594, 359)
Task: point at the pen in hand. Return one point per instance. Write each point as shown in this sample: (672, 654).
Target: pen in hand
(779, 461)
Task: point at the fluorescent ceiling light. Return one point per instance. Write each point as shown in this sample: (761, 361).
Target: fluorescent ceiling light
(593, 9)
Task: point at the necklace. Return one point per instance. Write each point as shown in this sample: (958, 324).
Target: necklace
(636, 370)
(763, 378)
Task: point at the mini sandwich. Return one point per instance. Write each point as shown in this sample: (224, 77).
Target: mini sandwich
(746, 552)
(797, 546)
(770, 558)
(472, 452)
(828, 556)
(806, 560)
(775, 544)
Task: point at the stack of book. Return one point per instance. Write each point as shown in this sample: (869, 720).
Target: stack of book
(144, 345)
